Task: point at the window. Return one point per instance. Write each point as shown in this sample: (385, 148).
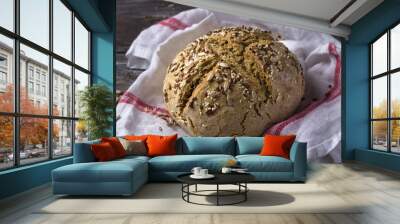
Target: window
(38, 74)
(81, 81)
(44, 91)
(7, 74)
(30, 87)
(62, 75)
(385, 94)
(3, 72)
(81, 45)
(55, 100)
(62, 137)
(38, 89)
(7, 14)
(33, 125)
(34, 22)
(3, 61)
(6, 142)
(62, 29)
(3, 78)
(30, 72)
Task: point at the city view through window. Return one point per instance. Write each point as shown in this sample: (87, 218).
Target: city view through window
(40, 83)
(385, 91)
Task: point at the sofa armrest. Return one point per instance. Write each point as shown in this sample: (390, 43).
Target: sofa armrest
(298, 155)
(83, 152)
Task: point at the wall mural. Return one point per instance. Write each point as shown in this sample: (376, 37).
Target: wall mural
(212, 74)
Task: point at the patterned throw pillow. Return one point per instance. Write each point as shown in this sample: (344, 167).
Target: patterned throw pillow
(134, 147)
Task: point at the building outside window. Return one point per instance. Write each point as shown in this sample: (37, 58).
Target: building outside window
(57, 128)
(385, 91)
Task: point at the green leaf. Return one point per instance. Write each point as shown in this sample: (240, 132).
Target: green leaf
(97, 103)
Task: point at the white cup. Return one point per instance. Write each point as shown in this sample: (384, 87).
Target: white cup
(203, 172)
(196, 171)
(226, 170)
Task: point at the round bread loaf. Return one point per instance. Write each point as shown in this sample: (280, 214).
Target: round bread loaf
(233, 81)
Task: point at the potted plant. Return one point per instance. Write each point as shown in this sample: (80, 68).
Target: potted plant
(96, 103)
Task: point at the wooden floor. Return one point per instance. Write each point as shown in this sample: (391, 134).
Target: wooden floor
(351, 181)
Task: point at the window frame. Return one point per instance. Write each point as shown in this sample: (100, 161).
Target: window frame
(16, 114)
(388, 74)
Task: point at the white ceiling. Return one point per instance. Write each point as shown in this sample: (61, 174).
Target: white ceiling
(327, 16)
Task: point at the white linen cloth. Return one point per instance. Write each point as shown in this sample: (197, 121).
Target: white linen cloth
(141, 109)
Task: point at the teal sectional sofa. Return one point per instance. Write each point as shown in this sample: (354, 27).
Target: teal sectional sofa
(125, 176)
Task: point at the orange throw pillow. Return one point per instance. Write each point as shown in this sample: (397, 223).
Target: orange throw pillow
(161, 145)
(116, 145)
(136, 137)
(277, 145)
(103, 152)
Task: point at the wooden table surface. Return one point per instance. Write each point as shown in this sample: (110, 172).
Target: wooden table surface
(133, 16)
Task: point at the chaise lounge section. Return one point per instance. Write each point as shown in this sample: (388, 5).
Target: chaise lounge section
(125, 176)
(88, 177)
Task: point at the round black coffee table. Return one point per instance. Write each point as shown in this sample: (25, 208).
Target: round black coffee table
(238, 179)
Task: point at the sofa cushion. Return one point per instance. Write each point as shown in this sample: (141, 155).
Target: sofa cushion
(185, 163)
(257, 163)
(111, 171)
(249, 145)
(206, 145)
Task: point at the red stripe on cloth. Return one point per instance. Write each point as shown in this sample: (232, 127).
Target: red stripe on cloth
(173, 23)
(331, 95)
(130, 98)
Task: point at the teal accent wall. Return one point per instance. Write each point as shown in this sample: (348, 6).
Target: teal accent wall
(99, 16)
(89, 11)
(103, 52)
(356, 86)
(356, 99)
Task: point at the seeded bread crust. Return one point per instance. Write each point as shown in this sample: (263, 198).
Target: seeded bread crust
(233, 81)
